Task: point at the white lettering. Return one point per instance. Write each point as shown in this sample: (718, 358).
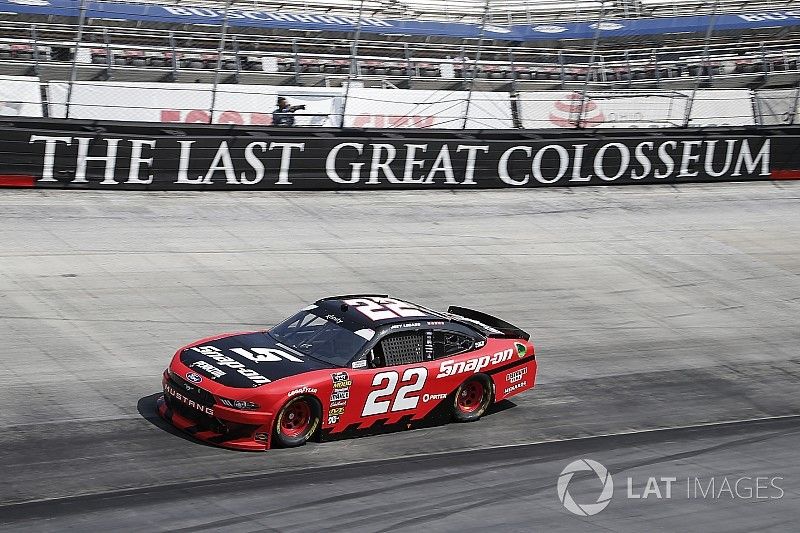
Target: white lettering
(563, 163)
(625, 159)
(50, 144)
(502, 166)
(355, 168)
(109, 160)
(183, 165)
(444, 164)
(709, 162)
(411, 162)
(689, 158)
(254, 162)
(383, 166)
(746, 158)
(286, 157)
(666, 159)
(223, 155)
(578, 163)
(137, 160)
(643, 160)
(472, 155)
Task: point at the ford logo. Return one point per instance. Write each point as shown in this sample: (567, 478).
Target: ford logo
(194, 378)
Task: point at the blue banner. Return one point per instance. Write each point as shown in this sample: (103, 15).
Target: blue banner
(299, 21)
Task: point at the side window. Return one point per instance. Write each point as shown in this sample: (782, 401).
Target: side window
(400, 348)
(447, 344)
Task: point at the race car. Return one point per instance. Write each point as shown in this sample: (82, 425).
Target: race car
(345, 366)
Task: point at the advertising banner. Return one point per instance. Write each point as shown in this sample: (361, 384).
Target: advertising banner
(635, 109)
(196, 158)
(253, 105)
(190, 103)
(408, 108)
(20, 96)
(777, 106)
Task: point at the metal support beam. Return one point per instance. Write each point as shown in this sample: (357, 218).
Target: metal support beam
(475, 64)
(353, 62)
(220, 51)
(709, 32)
(73, 73)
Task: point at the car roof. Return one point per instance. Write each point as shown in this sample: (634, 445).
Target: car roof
(339, 307)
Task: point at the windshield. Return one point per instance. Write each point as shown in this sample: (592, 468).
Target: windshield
(318, 337)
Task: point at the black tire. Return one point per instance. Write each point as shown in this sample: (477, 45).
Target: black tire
(297, 421)
(473, 398)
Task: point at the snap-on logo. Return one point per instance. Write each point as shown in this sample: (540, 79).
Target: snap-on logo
(565, 112)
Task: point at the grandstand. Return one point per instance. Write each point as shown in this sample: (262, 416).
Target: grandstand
(465, 45)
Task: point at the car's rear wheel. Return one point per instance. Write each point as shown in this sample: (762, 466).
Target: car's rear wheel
(297, 421)
(472, 399)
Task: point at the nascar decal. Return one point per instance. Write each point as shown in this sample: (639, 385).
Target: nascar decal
(521, 349)
(302, 390)
(209, 369)
(451, 368)
(516, 375)
(334, 413)
(512, 388)
(433, 397)
(339, 396)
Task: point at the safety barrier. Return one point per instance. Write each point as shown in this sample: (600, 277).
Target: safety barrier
(105, 155)
(360, 107)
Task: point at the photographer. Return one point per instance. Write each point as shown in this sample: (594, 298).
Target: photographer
(282, 116)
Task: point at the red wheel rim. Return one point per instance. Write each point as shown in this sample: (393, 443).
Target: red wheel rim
(296, 419)
(470, 397)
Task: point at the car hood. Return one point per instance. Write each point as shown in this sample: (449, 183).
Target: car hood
(246, 360)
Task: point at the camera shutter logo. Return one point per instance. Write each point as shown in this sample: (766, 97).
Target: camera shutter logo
(585, 465)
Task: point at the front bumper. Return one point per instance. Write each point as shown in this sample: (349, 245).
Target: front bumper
(215, 423)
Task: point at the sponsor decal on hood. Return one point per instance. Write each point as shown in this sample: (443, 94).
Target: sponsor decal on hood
(247, 360)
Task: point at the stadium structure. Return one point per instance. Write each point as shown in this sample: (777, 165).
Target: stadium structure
(512, 58)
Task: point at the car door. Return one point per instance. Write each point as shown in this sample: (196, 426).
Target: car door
(397, 372)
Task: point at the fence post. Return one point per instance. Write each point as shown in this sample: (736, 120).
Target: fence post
(73, 73)
(220, 50)
(353, 64)
(709, 32)
(475, 64)
(109, 55)
(35, 50)
(237, 60)
(795, 102)
(595, 41)
(174, 58)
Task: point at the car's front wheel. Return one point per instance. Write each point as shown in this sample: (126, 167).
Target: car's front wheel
(297, 421)
(472, 399)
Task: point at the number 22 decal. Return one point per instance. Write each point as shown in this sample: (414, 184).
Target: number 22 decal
(383, 308)
(379, 401)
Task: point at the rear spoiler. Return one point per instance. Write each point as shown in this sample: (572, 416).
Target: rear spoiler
(505, 329)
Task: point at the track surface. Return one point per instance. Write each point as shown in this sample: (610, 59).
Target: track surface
(651, 307)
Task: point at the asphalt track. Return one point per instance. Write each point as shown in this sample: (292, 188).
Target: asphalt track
(652, 308)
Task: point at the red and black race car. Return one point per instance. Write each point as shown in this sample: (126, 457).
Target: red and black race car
(346, 365)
